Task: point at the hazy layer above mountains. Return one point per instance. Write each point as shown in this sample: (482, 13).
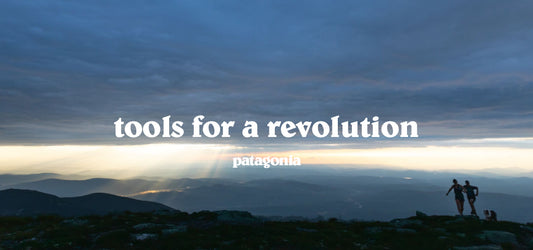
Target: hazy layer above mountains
(345, 193)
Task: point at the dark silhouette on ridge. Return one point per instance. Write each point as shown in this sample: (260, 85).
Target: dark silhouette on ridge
(28, 202)
(459, 197)
(469, 190)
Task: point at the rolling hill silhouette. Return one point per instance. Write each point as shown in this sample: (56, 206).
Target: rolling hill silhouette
(28, 202)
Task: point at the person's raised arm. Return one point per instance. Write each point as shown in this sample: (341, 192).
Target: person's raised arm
(449, 190)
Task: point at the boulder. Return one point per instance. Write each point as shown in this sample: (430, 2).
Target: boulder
(457, 219)
(307, 230)
(405, 230)
(174, 229)
(498, 236)
(146, 226)
(405, 222)
(236, 217)
(528, 228)
(142, 237)
(421, 214)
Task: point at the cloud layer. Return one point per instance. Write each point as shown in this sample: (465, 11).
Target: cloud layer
(69, 69)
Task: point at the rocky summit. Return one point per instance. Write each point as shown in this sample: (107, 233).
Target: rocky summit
(241, 230)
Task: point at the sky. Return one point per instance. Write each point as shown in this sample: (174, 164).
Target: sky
(462, 70)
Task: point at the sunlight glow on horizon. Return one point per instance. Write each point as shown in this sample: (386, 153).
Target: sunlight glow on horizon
(112, 161)
(420, 158)
(207, 160)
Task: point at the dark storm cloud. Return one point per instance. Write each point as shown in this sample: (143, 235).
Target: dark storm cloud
(69, 69)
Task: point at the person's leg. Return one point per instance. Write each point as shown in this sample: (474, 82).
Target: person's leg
(462, 206)
(471, 201)
(459, 208)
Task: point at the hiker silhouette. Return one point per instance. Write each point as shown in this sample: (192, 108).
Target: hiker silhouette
(459, 197)
(471, 196)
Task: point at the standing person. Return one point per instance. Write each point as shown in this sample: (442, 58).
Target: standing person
(471, 196)
(459, 197)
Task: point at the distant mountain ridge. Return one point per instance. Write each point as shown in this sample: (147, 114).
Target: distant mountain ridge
(17, 202)
(346, 196)
(10, 179)
(67, 188)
